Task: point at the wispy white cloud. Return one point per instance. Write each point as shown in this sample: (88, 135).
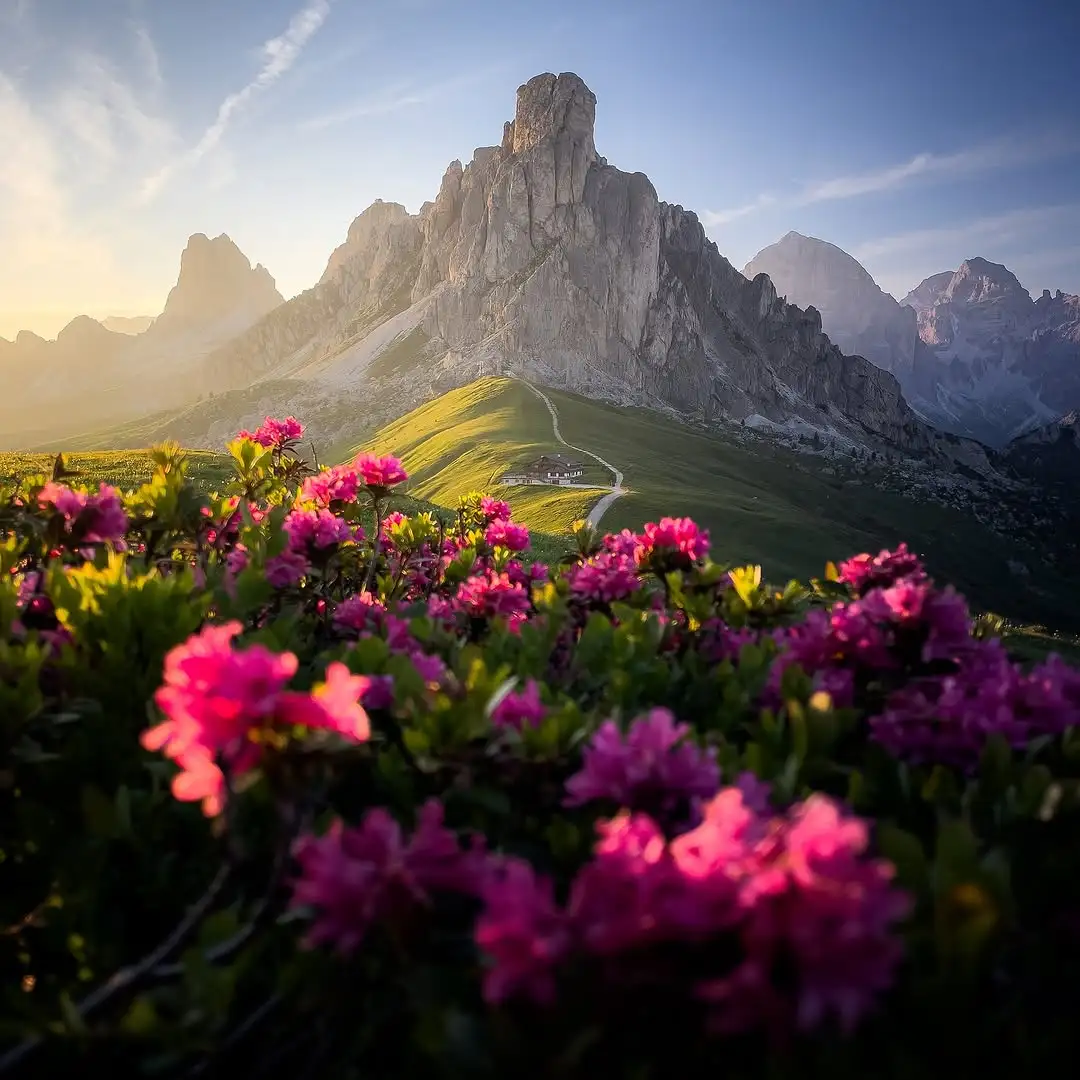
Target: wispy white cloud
(1024, 239)
(1003, 153)
(998, 229)
(722, 217)
(403, 94)
(147, 53)
(993, 156)
(279, 54)
(87, 129)
(98, 111)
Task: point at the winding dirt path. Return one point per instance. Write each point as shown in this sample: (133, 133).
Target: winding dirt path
(601, 508)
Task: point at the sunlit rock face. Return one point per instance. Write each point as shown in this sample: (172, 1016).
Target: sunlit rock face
(536, 257)
(540, 257)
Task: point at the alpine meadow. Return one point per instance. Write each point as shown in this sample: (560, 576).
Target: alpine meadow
(488, 634)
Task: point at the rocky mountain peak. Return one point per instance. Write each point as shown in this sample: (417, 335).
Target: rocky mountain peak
(538, 257)
(558, 107)
(216, 282)
(979, 279)
(84, 331)
(855, 313)
(376, 237)
(928, 291)
(795, 262)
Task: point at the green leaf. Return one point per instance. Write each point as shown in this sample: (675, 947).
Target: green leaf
(141, 1018)
(906, 853)
(73, 1020)
(956, 859)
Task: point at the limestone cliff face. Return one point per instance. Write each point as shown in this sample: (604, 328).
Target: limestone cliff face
(540, 256)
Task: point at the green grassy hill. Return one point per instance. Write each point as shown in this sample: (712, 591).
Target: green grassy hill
(464, 440)
(123, 468)
(761, 502)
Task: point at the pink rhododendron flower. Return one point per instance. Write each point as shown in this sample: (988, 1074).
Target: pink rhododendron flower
(604, 578)
(675, 540)
(28, 585)
(333, 704)
(361, 614)
(430, 668)
(214, 697)
(237, 560)
(287, 569)
(275, 433)
(490, 595)
(796, 888)
(718, 642)
(632, 894)
(522, 932)
(623, 543)
(940, 614)
(650, 768)
(337, 484)
(316, 530)
(88, 519)
(494, 508)
(527, 577)
(519, 710)
(354, 877)
(380, 692)
(379, 472)
(507, 534)
(865, 572)
(948, 719)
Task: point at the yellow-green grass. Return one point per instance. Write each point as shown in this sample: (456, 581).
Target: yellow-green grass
(123, 468)
(761, 502)
(466, 439)
(127, 469)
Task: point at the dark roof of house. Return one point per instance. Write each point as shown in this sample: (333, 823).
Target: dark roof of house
(557, 459)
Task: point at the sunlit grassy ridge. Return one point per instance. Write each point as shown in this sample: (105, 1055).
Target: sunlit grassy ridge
(761, 502)
(464, 440)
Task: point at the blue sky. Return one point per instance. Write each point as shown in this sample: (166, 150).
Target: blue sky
(913, 135)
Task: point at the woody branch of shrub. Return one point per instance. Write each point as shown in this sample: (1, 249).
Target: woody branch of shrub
(640, 810)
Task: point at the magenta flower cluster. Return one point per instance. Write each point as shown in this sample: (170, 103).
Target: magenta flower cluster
(654, 767)
(353, 878)
(216, 700)
(275, 433)
(88, 518)
(797, 889)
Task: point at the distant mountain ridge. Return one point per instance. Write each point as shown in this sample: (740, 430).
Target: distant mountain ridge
(855, 312)
(127, 324)
(92, 374)
(537, 257)
(974, 353)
